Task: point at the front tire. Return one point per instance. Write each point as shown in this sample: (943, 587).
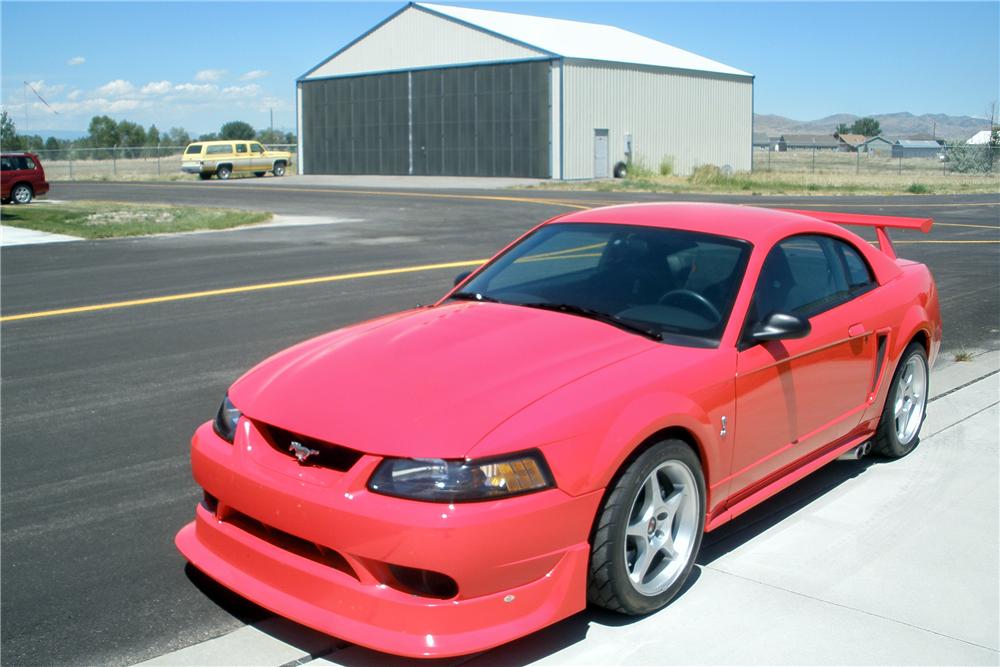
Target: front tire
(906, 405)
(279, 169)
(648, 531)
(21, 194)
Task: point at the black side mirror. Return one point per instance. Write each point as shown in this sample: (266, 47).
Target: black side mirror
(780, 326)
(461, 277)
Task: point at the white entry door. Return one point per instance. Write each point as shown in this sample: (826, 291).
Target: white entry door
(600, 153)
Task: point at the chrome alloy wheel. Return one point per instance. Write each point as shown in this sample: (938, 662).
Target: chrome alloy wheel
(910, 399)
(662, 527)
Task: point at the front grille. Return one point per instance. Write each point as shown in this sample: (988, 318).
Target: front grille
(329, 455)
(288, 542)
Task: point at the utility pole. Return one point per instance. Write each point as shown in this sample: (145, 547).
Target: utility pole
(271, 109)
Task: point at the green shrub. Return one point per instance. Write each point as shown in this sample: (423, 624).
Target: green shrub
(638, 170)
(667, 165)
(918, 189)
(706, 174)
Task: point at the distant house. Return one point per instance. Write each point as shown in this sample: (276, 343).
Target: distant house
(761, 140)
(792, 142)
(979, 138)
(911, 148)
(876, 146)
(923, 136)
(849, 142)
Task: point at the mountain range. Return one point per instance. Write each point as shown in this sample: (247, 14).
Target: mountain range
(904, 123)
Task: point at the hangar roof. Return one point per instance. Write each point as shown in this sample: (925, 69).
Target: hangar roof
(575, 39)
(469, 36)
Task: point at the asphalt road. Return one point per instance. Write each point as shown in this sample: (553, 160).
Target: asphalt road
(98, 406)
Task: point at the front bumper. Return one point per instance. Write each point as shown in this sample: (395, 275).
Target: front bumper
(520, 564)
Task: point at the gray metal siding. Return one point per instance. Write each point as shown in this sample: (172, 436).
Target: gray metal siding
(690, 118)
(490, 120)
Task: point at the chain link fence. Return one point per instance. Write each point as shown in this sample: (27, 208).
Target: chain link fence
(965, 160)
(125, 162)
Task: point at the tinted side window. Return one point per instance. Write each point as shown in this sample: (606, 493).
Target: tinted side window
(256, 148)
(802, 275)
(193, 148)
(6, 164)
(223, 148)
(241, 148)
(859, 276)
(27, 162)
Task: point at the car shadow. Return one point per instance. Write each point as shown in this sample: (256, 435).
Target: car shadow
(567, 632)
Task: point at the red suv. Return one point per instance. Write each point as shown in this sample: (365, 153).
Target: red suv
(21, 177)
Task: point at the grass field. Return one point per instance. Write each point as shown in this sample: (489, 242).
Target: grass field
(101, 220)
(792, 173)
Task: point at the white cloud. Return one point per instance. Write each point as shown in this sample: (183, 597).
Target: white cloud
(209, 75)
(195, 88)
(250, 90)
(74, 94)
(157, 88)
(76, 60)
(116, 88)
(45, 89)
(255, 74)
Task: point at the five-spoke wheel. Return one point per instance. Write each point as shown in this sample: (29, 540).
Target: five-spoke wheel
(649, 530)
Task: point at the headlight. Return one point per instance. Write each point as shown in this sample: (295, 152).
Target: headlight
(439, 480)
(225, 420)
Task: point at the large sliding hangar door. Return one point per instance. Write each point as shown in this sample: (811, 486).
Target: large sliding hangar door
(482, 120)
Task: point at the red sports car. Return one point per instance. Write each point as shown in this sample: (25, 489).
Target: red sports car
(562, 427)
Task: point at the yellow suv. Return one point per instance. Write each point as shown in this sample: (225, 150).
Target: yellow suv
(223, 158)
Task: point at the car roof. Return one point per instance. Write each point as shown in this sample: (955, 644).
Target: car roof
(221, 141)
(759, 226)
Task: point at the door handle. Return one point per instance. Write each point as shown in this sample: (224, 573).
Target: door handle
(856, 330)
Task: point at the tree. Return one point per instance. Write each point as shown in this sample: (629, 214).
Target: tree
(237, 129)
(52, 144)
(177, 136)
(866, 126)
(843, 128)
(153, 136)
(8, 132)
(103, 132)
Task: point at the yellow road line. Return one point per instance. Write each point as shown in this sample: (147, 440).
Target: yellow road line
(237, 290)
(403, 193)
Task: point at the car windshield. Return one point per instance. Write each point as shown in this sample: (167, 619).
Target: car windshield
(673, 285)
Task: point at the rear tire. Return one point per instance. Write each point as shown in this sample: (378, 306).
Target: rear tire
(224, 172)
(204, 175)
(905, 408)
(648, 531)
(279, 169)
(21, 194)
(259, 174)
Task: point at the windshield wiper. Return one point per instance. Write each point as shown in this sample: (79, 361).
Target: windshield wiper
(592, 314)
(473, 296)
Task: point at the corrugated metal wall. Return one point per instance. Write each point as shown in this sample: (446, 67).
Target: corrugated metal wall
(692, 118)
(489, 120)
(415, 38)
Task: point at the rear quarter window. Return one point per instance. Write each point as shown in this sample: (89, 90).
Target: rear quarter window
(192, 149)
(215, 150)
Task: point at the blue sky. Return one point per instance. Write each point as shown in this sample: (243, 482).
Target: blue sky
(196, 65)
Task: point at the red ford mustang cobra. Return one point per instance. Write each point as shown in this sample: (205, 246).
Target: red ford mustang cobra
(562, 427)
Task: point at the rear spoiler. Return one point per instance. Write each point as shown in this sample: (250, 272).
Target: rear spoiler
(879, 222)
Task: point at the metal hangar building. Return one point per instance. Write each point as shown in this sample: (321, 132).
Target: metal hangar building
(445, 90)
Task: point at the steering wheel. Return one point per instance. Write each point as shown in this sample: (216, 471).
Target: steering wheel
(695, 298)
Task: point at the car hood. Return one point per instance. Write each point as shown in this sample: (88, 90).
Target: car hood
(430, 382)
